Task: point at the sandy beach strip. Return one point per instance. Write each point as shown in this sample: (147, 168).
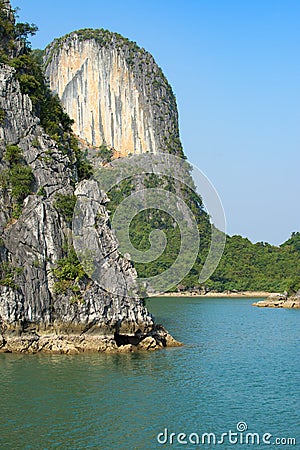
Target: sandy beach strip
(244, 294)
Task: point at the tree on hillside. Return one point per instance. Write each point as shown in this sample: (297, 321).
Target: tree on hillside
(13, 36)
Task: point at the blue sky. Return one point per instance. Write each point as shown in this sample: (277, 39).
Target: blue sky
(235, 69)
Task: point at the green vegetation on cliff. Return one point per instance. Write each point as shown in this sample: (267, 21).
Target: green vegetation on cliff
(153, 219)
(243, 266)
(9, 275)
(18, 178)
(13, 36)
(65, 205)
(15, 51)
(68, 275)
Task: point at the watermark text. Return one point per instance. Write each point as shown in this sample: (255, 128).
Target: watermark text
(239, 436)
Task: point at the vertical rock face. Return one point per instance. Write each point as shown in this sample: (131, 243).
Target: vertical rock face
(114, 91)
(32, 244)
(48, 300)
(29, 244)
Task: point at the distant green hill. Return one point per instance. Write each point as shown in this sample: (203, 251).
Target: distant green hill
(261, 266)
(243, 266)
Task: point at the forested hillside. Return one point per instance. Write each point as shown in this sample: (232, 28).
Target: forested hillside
(243, 266)
(260, 266)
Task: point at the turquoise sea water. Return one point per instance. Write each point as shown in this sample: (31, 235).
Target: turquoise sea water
(239, 364)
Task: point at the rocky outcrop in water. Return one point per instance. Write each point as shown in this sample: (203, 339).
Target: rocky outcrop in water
(34, 314)
(280, 301)
(114, 91)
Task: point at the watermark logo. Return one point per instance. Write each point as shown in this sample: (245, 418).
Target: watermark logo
(241, 426)
(239, 436)
(185, 179)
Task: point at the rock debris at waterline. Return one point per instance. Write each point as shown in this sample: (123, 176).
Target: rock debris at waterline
(33, 343)
(280, 301)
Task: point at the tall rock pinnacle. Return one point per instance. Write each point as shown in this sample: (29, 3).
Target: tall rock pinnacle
(114, 91)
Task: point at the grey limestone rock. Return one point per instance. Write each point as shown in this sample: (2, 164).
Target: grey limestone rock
(31, 312)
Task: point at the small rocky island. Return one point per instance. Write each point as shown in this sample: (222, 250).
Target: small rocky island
(280, 301)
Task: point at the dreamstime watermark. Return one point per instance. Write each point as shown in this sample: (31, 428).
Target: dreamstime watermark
(185, 180)
(239, 436)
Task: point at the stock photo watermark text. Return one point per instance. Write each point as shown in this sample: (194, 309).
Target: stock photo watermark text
(239, 436)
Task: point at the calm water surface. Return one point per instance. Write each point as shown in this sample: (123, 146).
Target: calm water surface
(239, 364)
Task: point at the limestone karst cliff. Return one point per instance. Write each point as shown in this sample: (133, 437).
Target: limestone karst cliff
(32, 244)
(114, 91)
(47, 301)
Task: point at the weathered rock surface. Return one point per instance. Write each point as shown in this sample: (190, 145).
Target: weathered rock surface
(280, 301)
(33, 316)
(114, 91)
(70, 344)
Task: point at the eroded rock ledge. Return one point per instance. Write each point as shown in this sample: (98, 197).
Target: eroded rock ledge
(32, 343)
